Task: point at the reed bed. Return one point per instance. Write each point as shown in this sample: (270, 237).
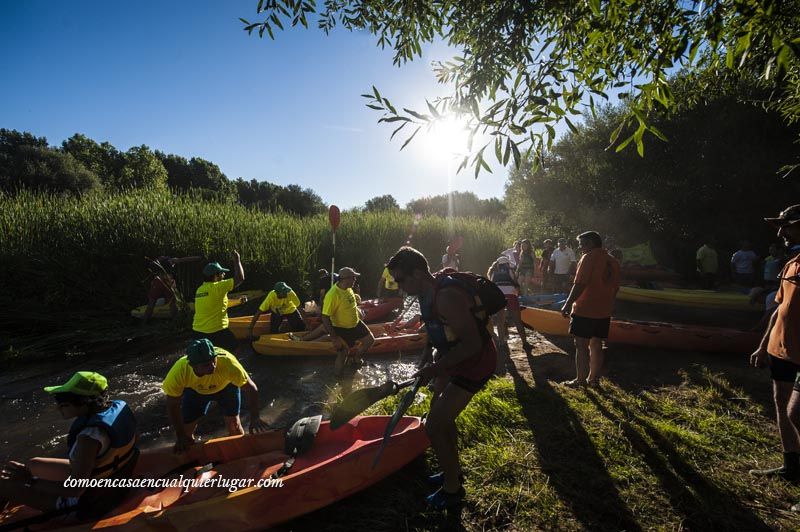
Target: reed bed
(89, 252)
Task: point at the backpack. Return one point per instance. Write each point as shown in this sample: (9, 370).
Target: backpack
(492, 299)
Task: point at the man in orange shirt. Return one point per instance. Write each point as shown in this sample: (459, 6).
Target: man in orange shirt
(590, 304)
(780, 347)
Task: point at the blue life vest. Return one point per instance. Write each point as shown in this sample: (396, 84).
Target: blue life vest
(501, 276)
(119, 423)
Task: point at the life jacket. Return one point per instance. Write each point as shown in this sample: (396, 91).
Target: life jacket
(443, 338)
(119, 423)
(501, 275)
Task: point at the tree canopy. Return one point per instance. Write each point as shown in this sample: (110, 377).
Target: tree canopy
(527, 66)
(381, 203)
(715, 178)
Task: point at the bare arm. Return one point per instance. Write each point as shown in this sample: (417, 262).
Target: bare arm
(251, 396)
(183, 440)
(574, 294)
(759, 356)
(238, 271)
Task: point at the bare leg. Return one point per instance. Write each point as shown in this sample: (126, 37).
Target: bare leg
(441, 429)
(788, 431)
(582, 358)
(595, 359)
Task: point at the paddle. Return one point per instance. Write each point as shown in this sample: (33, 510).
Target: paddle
(360, 400)
(333, 218)
(405, 403)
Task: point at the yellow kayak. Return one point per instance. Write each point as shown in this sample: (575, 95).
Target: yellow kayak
(163, 311)
(283, 345)
(688, 298)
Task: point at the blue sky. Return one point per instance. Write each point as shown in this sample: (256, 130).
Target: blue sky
(183, 77)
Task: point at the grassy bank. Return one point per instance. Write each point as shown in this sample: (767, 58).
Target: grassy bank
(664, 445)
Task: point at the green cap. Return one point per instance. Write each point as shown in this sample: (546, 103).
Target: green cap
(82, 383)
(200, 352)
(213, 268)
(282, 288)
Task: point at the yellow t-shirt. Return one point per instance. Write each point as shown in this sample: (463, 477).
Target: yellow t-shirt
(340, 305)
(211, 306)
(182, 376)
(281, 305)
(389, 283)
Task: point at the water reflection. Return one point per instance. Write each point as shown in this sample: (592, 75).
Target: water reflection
(289, 388)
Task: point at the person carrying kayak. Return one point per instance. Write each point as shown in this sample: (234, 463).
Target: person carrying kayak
(341, 319)
(590, 304)
(211, 303)
(780, 350)
(465, 359)
(281, 302)
(101, 444)
(203, 375)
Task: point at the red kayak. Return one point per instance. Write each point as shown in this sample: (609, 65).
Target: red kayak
(374, 310)
(338, 464)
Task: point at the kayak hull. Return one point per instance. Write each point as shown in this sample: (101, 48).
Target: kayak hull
(374, 310)
(338, 464)
(688, 298)
(282, 345)
(652, 334)
(163, 312)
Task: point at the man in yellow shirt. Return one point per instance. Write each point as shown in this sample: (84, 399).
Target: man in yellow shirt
(205, 374)
(387, 287)
(211, 303)
(342, 321)
(281, 302)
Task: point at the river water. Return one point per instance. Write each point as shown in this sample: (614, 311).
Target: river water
(289, 388)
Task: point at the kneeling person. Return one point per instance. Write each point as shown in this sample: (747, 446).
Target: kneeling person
(101, 444)
(281, 302)
(205, 374)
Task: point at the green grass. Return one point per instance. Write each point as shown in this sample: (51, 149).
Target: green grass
(550, 458)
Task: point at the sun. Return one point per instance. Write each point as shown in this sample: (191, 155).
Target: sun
(446, 139)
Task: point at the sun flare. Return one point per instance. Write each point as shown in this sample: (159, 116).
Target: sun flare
(446, 139)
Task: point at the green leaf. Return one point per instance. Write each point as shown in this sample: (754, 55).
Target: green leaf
(595, 6)
(376, 93)
(655, 131)
(624, 144)
(515, 152)
(570, 125)
(397, 130)
(409, 139)
(415, 114)
(433, 110)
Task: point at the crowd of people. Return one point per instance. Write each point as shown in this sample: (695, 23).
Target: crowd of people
(456, 308)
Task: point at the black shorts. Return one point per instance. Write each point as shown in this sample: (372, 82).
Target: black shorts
(351, 336)
(470, 385)
(296, 322)
(589, 327)
(783, 370)
(223, 338)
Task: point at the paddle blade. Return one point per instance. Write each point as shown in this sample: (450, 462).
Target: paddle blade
(334, 218)
(358, 401)
(402, 407)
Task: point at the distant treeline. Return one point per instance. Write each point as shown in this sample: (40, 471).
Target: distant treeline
(81, 165)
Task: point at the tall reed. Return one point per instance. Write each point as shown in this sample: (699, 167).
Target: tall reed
(88, 253)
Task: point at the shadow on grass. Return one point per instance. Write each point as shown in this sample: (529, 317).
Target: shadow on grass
(566, 453)
(702, 504)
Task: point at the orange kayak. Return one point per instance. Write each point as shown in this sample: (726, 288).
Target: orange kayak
(282, 345)
(652, 334)
(338, 464)
(374, 310)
